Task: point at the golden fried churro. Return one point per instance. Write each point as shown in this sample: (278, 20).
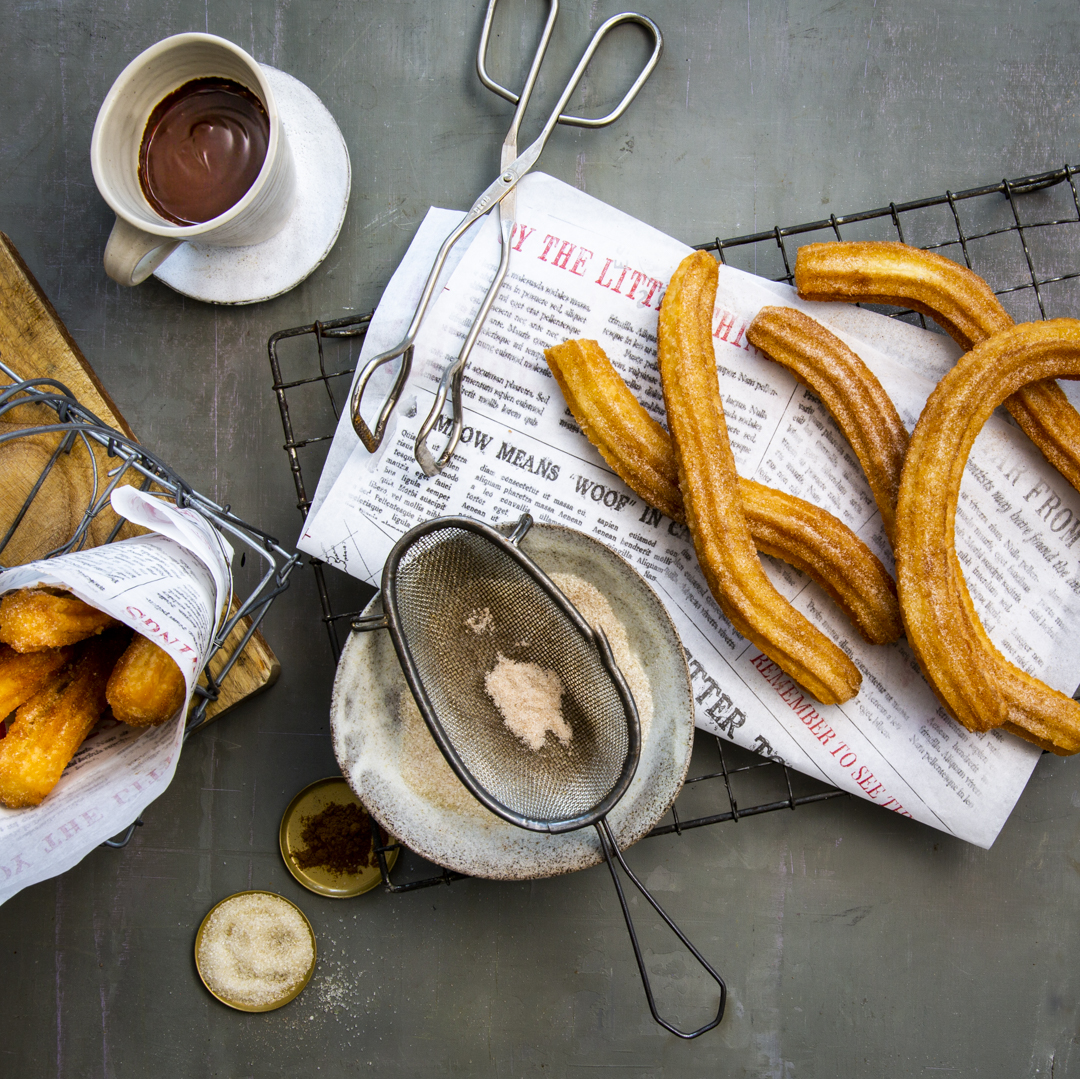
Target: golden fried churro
(49, 728)
(614, 421)
(965, 307)
(22, 675)
(1046, 416)
(710, 492)
(960, 301)
(850, 391)
(972, 679)
(146, 686)
(33, 619)
(641, 451)
(822, 546)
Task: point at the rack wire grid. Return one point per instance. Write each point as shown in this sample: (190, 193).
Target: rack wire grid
(33, 404)
(1022, 236)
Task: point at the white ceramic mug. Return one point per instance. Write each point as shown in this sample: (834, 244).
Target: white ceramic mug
(141, 239)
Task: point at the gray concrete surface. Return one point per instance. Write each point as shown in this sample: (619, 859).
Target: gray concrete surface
(855, 943)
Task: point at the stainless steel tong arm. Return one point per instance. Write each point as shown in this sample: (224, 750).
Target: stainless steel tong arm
(494, 194)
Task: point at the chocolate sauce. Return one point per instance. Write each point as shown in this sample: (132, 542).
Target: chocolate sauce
(202, 149)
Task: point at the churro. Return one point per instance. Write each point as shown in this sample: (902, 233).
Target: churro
(961, 302)
(23, 674)
(146, 686)
(971, 678)
(872, 271)
(34, 619)
(641, 452)
(823, 547)
(49, 728)
(635, 445)
(710, 490)
(849, 390)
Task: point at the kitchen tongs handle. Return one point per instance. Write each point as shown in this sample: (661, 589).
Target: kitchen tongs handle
(610, 847)
(565, 118)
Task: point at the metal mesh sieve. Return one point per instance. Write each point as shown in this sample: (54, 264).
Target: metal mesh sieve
(461, 598)
(451, 578)
(458, 598)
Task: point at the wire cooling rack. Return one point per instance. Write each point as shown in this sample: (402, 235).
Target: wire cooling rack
(1022, 236)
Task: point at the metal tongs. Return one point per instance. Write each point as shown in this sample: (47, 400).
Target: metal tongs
(500, 195)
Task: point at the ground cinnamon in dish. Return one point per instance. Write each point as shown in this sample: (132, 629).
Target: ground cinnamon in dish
(529, 698)
(337, 838)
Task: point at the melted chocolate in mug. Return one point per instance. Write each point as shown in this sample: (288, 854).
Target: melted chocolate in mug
(202, 148)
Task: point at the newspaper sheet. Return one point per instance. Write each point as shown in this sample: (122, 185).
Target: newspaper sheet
(580, 268)
(171, 586)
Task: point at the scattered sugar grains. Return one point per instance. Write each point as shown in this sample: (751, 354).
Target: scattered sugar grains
(596, 610)
(479, 620)
(255, 949)
(530, 699)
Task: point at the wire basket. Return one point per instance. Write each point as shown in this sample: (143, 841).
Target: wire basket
(1022, 236)
(46, 414)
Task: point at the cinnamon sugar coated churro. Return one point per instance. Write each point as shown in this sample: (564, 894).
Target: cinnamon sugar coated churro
(710, 490)
(972, 679)
(146, 686)
(823, 547)
(59, 690)
(961, 302)
(49, 728)
(873, 271)
(850, 391)
(34, 619)
(640, 450)
(23, 674)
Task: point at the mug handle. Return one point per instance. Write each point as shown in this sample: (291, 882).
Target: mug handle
(132, 255)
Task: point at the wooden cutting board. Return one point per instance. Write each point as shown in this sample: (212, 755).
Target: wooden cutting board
(35, 343)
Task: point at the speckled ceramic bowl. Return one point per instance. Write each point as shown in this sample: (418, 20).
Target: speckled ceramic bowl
(393, 765)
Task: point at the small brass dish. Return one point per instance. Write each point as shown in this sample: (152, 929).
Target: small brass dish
(281, 1001)
(310, 801)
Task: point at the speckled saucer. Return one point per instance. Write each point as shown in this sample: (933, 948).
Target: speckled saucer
(240, 275)
(387, 761)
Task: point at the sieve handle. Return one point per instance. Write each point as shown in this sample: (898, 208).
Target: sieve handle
(611, 848)
(521, 529)
(370, 621)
